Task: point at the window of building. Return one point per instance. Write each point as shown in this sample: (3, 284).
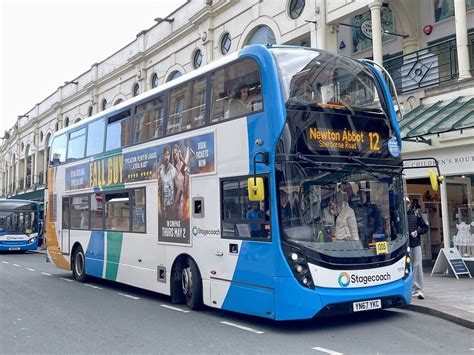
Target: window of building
(138, 210)
(80, 212)
(41, 136)
(66, 122)
(76, 146)
(117, 211)
(118, 131)
(136, 90)
(242, 218)
(197, 59)
(97, 211)
(295, 8)
(118, 102)
(58, 150)
(95, 137)
(187, 106)
(89, 112)
(236, 90)
(155, 81)
(104, 104)
(226, 43)
(149, 119)
(174, 75)
(262, 35)
(65, 214)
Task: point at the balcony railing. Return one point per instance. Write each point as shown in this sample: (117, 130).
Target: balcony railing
(429, 66)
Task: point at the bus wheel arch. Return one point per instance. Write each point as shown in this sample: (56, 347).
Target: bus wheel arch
(78, 263)
(186, 282)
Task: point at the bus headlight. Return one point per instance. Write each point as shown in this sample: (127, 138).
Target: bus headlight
(299, 265)
(31, 240)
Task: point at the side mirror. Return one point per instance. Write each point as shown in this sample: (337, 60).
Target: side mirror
(256, 189)
(435, 180)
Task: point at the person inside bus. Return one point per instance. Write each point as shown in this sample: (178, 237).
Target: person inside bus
(369, 217)
(346, 223)
(257, 230)
(242, 102)
(285, 207)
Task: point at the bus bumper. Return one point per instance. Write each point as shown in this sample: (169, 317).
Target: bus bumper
(293, 301)
(18, 246)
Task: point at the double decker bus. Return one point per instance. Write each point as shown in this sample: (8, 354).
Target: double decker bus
(19, 225)
(267, 182)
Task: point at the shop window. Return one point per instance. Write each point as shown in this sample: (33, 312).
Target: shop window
(236, 91)
(118, 131)
(117, 211)
(80, 212)
(76, 146)
(149, 118)
(242, 218)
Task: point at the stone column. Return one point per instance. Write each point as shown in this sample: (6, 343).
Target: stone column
(375, 8)
(445, 214)
(461, 39)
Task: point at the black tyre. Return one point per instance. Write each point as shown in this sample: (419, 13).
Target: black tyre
(191, 284)
(78, 265)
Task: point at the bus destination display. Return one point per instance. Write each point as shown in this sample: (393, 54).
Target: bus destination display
(345, 140)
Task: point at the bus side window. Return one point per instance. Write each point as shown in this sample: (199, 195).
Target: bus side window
(95, 137)
(228, 83)
(65, 214)
(76, 146)
(118, 131)
(242, 218)
(58, 150)
(149, 118)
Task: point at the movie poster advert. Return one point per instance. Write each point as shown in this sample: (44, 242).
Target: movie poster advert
(77, 177)
(140, 165)
(177, 161)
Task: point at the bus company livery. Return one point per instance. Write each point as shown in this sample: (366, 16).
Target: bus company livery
(266, 183)
(19, 225)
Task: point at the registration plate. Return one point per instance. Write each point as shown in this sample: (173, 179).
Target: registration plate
(381, 248)
(14, 248)
(366, 305)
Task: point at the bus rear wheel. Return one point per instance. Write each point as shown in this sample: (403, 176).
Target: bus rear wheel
(191, 284)
(79, 265)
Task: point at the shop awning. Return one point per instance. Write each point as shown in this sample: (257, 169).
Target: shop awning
(439, 117)
(37, 195)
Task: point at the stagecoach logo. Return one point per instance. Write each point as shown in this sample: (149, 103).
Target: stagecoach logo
(345, 279)
(205, 232)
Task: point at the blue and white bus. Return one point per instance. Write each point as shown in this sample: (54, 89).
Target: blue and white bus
(19, 225)
(267, 182)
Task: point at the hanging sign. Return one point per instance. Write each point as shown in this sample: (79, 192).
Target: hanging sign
(366, 29)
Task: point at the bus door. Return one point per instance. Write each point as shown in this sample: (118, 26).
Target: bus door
(65, 230)
(244, 257)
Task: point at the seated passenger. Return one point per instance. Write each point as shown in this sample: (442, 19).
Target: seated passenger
(346, 223)
(243, 103)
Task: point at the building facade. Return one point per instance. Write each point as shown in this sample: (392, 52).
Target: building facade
(426, 45)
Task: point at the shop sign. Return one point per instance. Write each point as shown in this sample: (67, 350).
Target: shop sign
(450, 260)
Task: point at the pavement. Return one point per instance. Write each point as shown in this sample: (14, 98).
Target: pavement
(445, 297)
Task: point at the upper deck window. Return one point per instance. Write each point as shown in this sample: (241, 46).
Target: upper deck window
(58, 150)
(236, 90)
(323, 79)
(118, 131)
(187, 106)
(149, 119)
(95, 137)
(76, 146)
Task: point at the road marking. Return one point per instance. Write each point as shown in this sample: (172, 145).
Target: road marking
(132, 297)
(5, 262)
(30, 269)
(327, 351)
(16, 265)
(242, 327)
(93, 286)
(68, 280)
(174, 308)
(46, 274)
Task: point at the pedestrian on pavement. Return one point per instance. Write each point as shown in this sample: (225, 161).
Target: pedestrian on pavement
(416, 228)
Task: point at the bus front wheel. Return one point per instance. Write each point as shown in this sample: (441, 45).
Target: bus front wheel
(79, 265)
(191, 284)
